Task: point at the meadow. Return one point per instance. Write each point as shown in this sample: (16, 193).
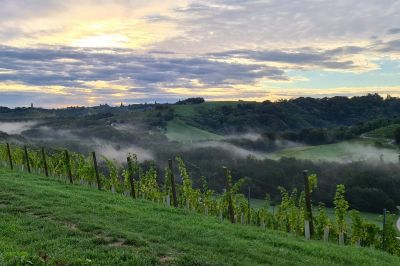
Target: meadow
(179, 131)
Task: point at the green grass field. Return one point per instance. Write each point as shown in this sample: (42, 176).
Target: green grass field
(347, 151)
(43, 219)
(178, 130)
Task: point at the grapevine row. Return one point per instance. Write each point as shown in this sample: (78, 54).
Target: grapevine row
(294, 214)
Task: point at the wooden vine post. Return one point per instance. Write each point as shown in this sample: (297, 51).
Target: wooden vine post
(309, 216)
(131, 177)
(28, 166)
(383, 230)
(68, 166)
(172, 179)
(46, 170)
(96, 170)
(10, 157)
(248, 206)
(229, 194)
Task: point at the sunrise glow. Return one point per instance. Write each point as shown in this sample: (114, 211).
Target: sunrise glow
(83, 52)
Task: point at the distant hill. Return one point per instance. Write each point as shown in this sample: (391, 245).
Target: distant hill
(286, 115)
(227, 117)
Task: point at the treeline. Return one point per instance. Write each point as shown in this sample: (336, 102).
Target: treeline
(197, 100)
(316, 136)
(307, 120)
(296, 114)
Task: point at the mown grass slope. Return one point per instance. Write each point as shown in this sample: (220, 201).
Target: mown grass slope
(43, 219)
(178, 130)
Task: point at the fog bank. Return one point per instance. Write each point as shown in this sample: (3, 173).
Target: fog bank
(16, 128)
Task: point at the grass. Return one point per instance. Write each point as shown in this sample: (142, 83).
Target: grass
(346, 151)
(74, 225)
(178, 130)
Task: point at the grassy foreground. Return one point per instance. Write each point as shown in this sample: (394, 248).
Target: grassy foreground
(47, 220)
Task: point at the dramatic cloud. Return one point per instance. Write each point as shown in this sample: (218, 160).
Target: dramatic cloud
(301, 58)
(58, 53)
(394, 31)
(88, 72)
(223, 24)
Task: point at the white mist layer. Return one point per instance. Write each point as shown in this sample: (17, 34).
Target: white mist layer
(16, 128)
(246, 136)
(230, 148)
(111, 150)
(115, 152)
(344, 152)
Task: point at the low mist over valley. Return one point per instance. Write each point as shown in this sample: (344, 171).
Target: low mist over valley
(264, 142)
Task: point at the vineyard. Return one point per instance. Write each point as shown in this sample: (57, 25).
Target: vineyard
(295, 213)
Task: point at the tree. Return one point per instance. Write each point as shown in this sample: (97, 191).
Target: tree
(197, 100)
(397, 135)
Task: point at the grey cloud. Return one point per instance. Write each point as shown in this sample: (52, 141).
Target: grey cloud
(390, 46)
(220, 25)
(394, 31)
(14, 99)
(158, 18)
(299, 57)
(69, 67)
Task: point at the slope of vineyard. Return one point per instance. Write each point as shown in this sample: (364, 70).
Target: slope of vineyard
(44, 220)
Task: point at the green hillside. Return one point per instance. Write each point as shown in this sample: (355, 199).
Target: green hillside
(47, 221)
(178, 130)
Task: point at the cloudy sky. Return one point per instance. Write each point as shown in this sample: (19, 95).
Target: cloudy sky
(61, 53)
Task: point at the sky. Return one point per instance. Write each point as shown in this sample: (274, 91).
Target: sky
(89, 52)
